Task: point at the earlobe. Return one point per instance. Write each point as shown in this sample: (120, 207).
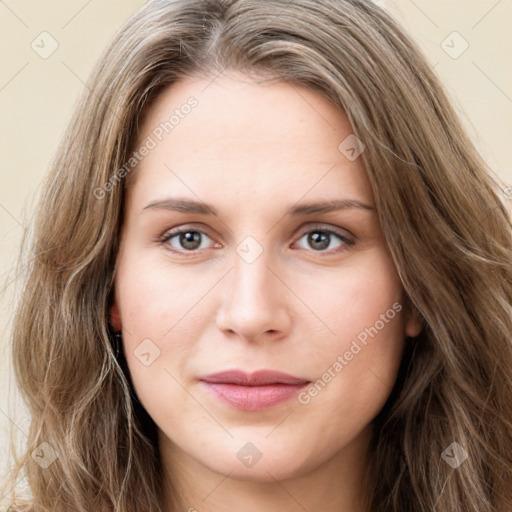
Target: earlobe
(413, 324)
(115, 319)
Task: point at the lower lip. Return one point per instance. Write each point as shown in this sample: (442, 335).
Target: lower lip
(254, 398)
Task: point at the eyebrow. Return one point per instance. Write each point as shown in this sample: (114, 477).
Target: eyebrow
(192, 206)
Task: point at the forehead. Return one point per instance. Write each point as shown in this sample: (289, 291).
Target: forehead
(256, 140)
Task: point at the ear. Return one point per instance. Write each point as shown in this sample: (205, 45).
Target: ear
(413, 323)
(115, 319)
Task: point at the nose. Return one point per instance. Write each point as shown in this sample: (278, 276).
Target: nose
(254, 303)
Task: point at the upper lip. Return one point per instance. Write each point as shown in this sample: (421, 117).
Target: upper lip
(258, 378)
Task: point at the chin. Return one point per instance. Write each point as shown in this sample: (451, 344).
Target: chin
(261, 461)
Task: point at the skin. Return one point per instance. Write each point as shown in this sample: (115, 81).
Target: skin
(252, 151)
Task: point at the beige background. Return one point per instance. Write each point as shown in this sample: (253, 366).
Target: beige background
(37, 96)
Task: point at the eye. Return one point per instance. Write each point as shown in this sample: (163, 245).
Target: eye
(321, 238)
(187, 240)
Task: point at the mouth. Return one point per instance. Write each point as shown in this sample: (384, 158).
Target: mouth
(253, 392)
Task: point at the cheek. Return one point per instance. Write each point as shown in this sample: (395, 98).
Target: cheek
(150, 306)
(349, 299)
(153, 298)
(356, 375)
(356, 366)
(163, 312)
(158, 327)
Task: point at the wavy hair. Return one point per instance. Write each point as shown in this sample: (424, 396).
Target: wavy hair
(441, 211)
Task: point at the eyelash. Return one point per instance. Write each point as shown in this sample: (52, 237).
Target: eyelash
(168, 235)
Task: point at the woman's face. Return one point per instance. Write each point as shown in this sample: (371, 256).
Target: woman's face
(269, 282)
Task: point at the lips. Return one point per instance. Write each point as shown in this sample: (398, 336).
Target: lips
(259, 378)
(253, 392)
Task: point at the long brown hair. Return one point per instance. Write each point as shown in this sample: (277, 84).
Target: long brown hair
(441, 211)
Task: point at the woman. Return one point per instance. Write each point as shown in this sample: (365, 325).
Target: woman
(250, 365)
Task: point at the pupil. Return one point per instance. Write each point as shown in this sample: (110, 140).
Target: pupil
(190, 239)
(319, 238)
